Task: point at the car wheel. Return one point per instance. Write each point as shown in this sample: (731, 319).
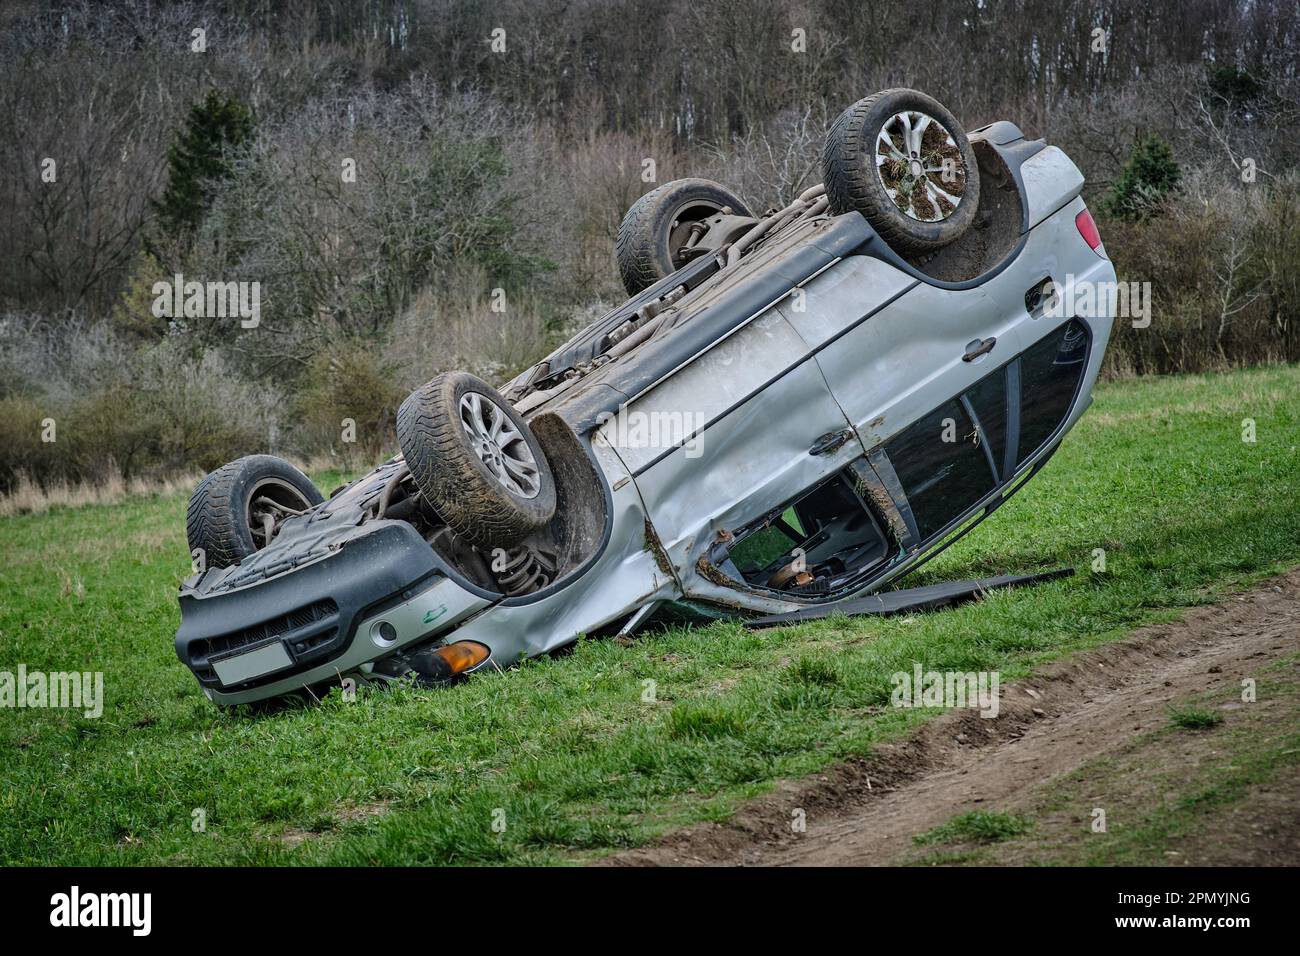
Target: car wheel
(903, 161)
(475, 460)
(660, 224)
(235, 510)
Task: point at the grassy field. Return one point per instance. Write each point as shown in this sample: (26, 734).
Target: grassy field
(562, 758)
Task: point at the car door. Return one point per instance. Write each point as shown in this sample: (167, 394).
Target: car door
(758, 426)
(970, 445)
(885, 340)
(914, 364)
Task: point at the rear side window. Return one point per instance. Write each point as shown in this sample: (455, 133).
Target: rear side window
(1050, 372)
(945, 464)
(941, 466)
(988, 399)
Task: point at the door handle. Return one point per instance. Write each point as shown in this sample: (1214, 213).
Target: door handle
(979, 347)
(831, 441)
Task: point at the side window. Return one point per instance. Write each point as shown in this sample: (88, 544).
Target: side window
(815, 546)
(941, 466)
(1050, 372)
(988, 400)
(945, 463)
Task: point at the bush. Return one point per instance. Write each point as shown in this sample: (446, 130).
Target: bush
(348, 405)
(1146, 180)
(22, 452)
(200, 413)
(163, 411)
(465, 323)
(1223, 262)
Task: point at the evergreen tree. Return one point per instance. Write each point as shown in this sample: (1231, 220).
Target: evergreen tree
(200, 158)
(1149, 175)
(1237, 88)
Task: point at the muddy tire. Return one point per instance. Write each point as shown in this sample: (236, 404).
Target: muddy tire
(475, 460)
(222, 519)
(903, 161)
(657, 226)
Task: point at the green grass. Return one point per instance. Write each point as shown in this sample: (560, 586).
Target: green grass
(1192, 718)
(564, 751)
(978, 826)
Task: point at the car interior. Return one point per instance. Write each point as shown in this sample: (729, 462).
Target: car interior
(814, 546)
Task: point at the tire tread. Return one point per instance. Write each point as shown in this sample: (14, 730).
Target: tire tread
(428, 431)
(849, 177)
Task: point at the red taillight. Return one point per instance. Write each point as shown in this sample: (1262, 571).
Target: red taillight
(1088, 229)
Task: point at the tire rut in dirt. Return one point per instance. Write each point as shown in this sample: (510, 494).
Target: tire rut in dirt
(1085, 704)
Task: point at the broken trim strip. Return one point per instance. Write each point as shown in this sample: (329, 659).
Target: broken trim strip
(928, 598)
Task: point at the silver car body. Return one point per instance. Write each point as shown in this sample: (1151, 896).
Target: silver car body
(841, 361)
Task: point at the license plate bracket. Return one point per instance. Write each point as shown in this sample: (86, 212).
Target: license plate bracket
(263, 660)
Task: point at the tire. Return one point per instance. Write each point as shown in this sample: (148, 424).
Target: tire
(464, 483)
(658, 224)
(910, 214)
(219, 519)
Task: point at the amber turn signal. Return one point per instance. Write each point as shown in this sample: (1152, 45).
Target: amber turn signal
(462, 656)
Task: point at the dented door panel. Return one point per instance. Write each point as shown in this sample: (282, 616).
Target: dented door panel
(750, 456)
(890, 367)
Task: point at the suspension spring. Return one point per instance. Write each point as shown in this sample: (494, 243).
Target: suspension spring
(523, 570)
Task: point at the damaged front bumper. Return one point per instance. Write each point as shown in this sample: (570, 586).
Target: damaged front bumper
(367, 599)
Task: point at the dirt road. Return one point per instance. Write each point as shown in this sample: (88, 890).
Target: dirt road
(1107, 707)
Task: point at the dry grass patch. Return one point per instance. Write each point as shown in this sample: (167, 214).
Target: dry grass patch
(29, 497)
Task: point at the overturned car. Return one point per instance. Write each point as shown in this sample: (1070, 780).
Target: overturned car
(792, 410)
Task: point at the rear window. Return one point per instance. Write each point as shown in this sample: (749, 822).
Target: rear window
(941, 466)
(1050, 372)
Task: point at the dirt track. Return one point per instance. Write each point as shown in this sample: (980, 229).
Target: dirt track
(1090, 704)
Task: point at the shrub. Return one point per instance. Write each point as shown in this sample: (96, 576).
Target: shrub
(1234, 86)
(21, 449)
(1146, 180)
(463, 322)
(1223, 262)
(164, 410)
(349, 404)
(199, 412)
(133, 314)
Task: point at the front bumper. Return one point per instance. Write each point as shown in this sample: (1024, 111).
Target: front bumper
(321, 620)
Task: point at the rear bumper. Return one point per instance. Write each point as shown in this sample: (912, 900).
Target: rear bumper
(320, 620)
